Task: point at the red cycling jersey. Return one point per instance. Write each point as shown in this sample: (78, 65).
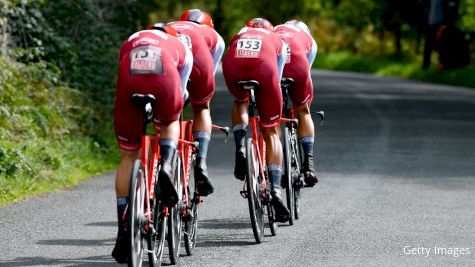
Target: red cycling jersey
(202, 40)
(297, 66)
(252, 55)
(149, 64)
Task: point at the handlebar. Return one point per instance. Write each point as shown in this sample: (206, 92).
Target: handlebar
(224, 129)
(321, 114)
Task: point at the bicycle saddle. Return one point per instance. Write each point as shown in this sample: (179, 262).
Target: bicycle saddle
(249, 85)
(140, 100)
(287, 82)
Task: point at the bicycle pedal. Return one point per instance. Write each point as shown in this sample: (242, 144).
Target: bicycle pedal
(152, 229)
(181, 207)
(197, 200)
(244, 194)
(187, 217)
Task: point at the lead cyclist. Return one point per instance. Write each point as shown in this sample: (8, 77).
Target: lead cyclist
(302, 50)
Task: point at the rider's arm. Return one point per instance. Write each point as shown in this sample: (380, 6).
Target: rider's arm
(312, 53)
(185, 70)
(218, 51)
(281, 59)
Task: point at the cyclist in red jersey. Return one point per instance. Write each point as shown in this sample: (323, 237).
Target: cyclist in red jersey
(153, 62)
(196, 30)
(302, 53)
(257, 53)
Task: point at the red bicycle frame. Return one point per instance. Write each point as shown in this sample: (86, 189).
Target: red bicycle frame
(150, 161)
(186, 148)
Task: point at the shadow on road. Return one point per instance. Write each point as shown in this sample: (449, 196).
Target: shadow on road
(225, 223)
(77, 242)
(105, 224)
(40, 261)
(229, 238)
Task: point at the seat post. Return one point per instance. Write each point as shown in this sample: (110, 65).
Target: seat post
(252, 104)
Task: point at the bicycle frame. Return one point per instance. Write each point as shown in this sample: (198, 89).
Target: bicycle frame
(254, 121)
(150, 161)
(186, 148)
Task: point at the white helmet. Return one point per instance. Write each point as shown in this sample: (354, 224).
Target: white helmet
(299, 24)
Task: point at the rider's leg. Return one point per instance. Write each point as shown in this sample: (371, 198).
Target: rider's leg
(122, 181)
(240, 120)
(274, 168)
(306, 138)
(169, 133)
(201, 132)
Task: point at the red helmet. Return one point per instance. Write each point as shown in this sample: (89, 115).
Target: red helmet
(299, 24)
(163, 27)
(198, 16)
(260, 23)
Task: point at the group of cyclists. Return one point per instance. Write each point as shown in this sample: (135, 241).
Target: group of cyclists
(176, 62)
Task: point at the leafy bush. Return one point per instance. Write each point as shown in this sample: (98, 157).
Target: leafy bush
(57, 90)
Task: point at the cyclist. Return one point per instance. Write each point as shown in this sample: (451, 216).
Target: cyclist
(302, 53)
(153, 62)
(257, 53)
(196, 29)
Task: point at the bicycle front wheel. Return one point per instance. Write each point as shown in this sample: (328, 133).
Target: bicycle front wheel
(287, 177)
(174, 218)
(156, 241)
(253, 180)
(136, 214)
(297, 177)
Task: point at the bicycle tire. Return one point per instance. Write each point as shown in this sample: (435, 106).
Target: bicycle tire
(253, 191)
(191, 222)
(297, 179)
(174, 218)
(156, 241)
(289, 188)
(136, 215)
(271, 217)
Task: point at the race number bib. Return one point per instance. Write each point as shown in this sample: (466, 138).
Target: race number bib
(145, 60)
(248, 48)
(185, 39)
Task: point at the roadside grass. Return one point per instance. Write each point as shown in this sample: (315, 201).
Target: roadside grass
(44, 165)
(388, 67)
(48, 137)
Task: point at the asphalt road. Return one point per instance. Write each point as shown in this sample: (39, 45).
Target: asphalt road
(396, 160)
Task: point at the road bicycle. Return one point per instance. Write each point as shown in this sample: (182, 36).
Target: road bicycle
(256, 184)
(148, 218)
(292, 179)
(185, 219)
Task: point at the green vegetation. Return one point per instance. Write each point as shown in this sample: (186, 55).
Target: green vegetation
(41, 145)
(390, 67)
(58, 62)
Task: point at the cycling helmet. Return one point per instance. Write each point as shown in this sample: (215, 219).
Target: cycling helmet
(163, 27)
(260, 23)
(198, 16)
(299, 24)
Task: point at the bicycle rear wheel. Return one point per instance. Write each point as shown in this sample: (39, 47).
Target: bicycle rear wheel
(156, 240)
(174, 218)
(253, 180)
(271, 217)
(136, 214)
(287, 177)
(191, 221)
